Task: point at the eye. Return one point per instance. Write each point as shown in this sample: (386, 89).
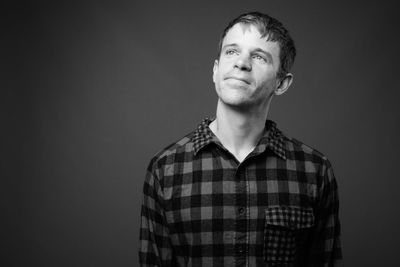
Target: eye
(230, 52)
(258, 57)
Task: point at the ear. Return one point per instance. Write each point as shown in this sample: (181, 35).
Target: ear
(215, 69)
(284, 84)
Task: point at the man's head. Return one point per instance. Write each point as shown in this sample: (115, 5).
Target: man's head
(253, 65)
(271, 29)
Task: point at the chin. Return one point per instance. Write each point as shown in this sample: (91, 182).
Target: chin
(236, 101)
(234, 96)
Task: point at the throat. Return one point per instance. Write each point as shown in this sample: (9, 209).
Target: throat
(239, 145)
(241, 154)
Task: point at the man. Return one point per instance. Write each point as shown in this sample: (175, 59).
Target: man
(237, 191)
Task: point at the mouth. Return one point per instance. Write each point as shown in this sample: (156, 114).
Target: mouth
(237, 79)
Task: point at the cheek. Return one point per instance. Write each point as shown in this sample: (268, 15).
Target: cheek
(266, 77)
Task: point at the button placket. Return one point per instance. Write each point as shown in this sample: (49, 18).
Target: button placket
(241, 210)
(241, 218)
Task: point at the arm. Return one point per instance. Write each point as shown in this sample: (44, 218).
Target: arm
(154, 245)
(325, 245)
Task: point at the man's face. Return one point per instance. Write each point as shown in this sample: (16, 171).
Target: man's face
(245, 75)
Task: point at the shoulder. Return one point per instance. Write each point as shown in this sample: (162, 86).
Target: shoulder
(311, 162)
(172, 152)
(299, 151)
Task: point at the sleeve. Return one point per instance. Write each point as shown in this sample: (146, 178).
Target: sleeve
(154, 242)
(325, 242)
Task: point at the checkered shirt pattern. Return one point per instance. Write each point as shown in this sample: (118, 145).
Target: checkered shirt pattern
(201, 207)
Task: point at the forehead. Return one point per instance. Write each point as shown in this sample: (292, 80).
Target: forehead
(248, 34)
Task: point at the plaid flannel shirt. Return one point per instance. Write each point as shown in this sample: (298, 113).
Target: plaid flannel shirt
(201, 207)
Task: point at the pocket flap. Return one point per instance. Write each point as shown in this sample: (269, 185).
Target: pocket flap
(290, 217)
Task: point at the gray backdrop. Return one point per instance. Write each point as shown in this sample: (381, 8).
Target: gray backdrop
(91, 90)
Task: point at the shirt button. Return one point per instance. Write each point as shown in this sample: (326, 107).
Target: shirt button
(241, 210)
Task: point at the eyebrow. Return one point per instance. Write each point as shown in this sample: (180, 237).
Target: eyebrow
(258, 50)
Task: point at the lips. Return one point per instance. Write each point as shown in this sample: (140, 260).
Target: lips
(238, 79)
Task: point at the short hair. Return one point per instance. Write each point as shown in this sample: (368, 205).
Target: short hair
(274, 30)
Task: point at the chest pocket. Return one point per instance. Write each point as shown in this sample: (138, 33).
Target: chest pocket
(282, 223)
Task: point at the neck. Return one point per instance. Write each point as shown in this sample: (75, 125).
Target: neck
(239, 131)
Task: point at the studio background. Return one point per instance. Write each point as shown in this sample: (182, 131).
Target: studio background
(90, 91)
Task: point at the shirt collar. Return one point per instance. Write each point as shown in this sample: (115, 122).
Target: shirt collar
(272, 138)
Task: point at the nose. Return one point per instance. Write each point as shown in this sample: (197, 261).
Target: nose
(243, 62)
